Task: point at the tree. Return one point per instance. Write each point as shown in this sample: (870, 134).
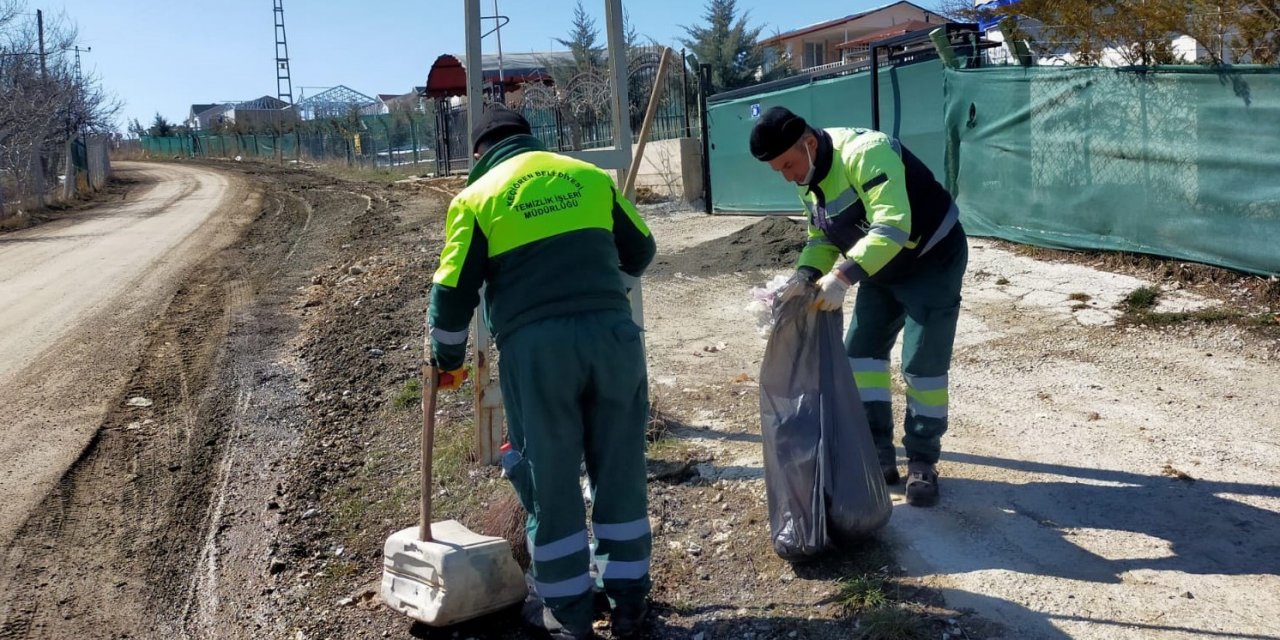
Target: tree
(630, 37)
(43, 106)
(582, 39)
(1140, 32)
(1239, 30)
(730, 46)
(579, 90)
(136, 129)
(160, 127)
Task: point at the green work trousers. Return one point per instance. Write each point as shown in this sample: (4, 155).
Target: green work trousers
(927, 305)
(575, 389)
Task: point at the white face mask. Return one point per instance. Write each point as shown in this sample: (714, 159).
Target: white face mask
(808, 177)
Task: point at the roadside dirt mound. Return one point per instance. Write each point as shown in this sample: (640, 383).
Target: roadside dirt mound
(772, 243)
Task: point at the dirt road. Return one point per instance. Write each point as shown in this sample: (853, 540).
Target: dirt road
(77, 295)
(140, 526)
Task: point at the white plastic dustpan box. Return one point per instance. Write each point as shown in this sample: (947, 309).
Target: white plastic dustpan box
(482, 575)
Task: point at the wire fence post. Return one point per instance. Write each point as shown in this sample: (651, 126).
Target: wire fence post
(704, 87)
(386, 130)
(684, 91)
(413, 138)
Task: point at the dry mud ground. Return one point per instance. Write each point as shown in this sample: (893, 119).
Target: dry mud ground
(1103, 478)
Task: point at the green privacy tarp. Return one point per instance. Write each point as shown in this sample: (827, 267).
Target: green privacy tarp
(911, 107)
(1179, 161)
(177, 146)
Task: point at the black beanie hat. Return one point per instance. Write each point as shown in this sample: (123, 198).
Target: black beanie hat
(776, 132)
(497, 122)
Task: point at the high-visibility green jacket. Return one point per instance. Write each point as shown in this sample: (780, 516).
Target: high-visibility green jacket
(548, 234)
(877, 205)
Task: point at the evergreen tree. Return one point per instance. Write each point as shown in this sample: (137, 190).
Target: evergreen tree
(160, 126)
(582, 41)
(730, 46)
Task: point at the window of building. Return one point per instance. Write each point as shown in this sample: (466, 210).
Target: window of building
(815, 54)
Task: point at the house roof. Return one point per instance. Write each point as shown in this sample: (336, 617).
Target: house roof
(839, 21)
(895, 30)
(265, 103)
(197, 109)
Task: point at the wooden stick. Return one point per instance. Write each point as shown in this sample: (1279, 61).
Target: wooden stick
(428, 440)
(654, 98)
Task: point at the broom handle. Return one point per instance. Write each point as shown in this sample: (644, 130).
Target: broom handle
(428, 440)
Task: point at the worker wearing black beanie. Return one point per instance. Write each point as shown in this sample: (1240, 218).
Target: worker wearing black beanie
(495, 123)
(876, 208)
(777, 131)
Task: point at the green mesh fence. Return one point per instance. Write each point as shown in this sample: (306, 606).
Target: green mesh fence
(911, 107)
(379, 141)
(1178, 162)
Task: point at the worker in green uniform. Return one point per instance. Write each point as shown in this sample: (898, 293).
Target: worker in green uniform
(559, 248)
(873, 203)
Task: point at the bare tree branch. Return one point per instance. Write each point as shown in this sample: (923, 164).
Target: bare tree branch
(42, 107)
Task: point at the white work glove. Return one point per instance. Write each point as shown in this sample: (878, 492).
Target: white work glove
(831, 290)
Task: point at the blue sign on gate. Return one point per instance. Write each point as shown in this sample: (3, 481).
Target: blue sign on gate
(755, 111)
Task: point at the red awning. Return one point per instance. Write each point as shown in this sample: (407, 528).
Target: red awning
(447, 78)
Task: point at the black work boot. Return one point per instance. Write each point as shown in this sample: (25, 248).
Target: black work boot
(628, 621)
(890, 472)
(538, 615)
(922, 484)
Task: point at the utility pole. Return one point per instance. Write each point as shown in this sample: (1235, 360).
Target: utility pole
(44, 70)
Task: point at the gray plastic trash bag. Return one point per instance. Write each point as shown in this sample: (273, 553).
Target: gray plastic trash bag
(821, 471)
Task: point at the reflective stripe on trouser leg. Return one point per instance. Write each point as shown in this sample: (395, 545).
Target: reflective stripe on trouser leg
(874, 386)
(926, 418)
(556, 560)
(873, 329)
(872, 377)
(622, 555)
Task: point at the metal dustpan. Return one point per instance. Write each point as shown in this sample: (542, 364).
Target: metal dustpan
(445, 573)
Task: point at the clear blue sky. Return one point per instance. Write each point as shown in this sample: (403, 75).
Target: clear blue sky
(164, 55)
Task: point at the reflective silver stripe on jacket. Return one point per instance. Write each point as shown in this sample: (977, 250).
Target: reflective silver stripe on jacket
(953, 215)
